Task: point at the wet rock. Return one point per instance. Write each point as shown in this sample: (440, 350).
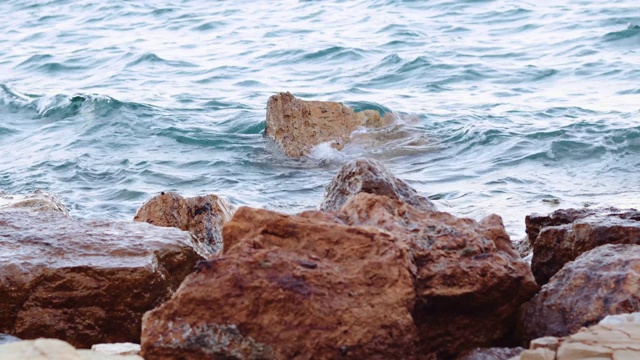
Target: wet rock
(491, 354)
(85, 281)
(201, 216)
(298, 125)
(117, 348)
(615, 340)
(470, 282)
(370, 176)
(53, 349)
(565, 234)
(6, 338)
(36, 201)
(600, 282)
(304, 287)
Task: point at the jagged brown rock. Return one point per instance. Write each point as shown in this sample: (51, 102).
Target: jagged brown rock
(304, 287)
(85, 281)
(600, 282)
(298, 125)
(370, 176)
(470, 282)
(565, 234)
(202, 216)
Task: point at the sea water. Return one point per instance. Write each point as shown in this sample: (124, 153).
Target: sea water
(507, 107)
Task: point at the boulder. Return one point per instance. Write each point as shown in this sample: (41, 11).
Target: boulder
(491, 354)
(565, 234)
(470, 282)
(85, 281)
(298, 125)
(616, 339)
(600, 282)
(303, 287)
(36, 201)
(53, 349)
(201, 216)
(370, 176)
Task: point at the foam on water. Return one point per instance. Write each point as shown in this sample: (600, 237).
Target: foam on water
(505, 107)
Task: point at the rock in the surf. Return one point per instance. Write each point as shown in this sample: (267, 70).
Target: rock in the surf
(299, 125)
(565, 234)
(370, 176)
(85, 281)
(202, 216)
(304, 287)
(600, 282)
(469, 280)
(36, 201)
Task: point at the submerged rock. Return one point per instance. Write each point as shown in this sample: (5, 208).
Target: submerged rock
(304, 287)
(298, 125)
(565, 234)
(53, 349)
(370, 176)
(616, 339)
(36, 201)
(469, 282)
(202, 216)
(600, 282)
(85, 281)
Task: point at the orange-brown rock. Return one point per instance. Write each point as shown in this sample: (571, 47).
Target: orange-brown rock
(85, 281)
(291, 287)
(201, 216)
(298, 125)
(600, 282)
(370, 176)
(470, 282)
(565, 234)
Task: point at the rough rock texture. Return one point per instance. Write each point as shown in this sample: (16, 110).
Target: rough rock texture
(470, 282)
(85, 281)
(299, 125)
(36, 201)
(53, 349)
(6, 338)
(615, 338)
(202, 216)
(565, 234)
(370, 176)
(600, 282)
(491, 354)
(344, 284)
(303, 287)
(117, 348)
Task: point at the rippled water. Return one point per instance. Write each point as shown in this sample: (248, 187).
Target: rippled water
(507, 106)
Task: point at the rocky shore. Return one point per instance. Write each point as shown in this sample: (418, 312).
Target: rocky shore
(377, 272)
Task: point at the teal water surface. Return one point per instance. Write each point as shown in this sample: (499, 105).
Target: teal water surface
(507, 107)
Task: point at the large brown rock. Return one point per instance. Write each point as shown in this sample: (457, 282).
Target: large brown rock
(370, 176)
(565, 234)
(303, 287)
(298, 125)
(600, 282)
(85, 281)
(470, 282)
(614, 338)
(201, 216)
